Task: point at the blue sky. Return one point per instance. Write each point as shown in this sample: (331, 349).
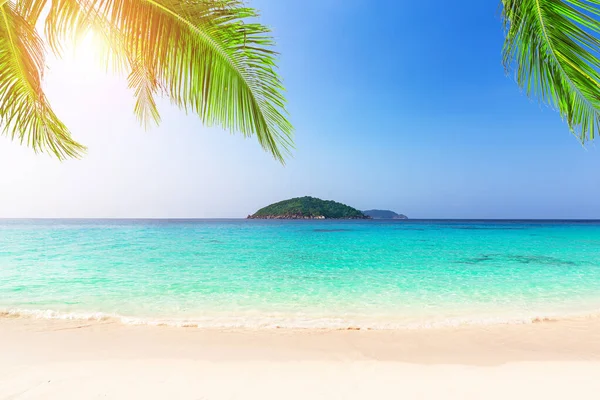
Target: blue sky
(401, 105)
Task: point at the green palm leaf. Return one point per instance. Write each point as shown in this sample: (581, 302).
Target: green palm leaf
(24, 110)
(553, 46)
(208, 57)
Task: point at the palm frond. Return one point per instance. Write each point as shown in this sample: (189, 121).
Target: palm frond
(554, 47)
(207, 56)
(25, 113)
(145, 85)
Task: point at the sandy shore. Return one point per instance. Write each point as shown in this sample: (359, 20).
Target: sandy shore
(53, 359)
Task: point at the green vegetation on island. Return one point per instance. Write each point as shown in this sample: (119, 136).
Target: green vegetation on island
(384, 214)
(308, 208)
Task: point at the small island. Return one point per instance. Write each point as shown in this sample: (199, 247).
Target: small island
(308, 208)
(384, 214)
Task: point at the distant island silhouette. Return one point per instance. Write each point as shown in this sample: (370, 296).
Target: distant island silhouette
(384, 214)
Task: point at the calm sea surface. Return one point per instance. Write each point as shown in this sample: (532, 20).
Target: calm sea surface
(239, 273)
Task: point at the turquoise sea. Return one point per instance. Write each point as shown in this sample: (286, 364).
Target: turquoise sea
(300, 274)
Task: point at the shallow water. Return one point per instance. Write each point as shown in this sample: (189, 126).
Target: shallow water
(324, 274)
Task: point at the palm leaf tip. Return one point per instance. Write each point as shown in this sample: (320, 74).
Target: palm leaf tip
(553, 47)
(25, 113)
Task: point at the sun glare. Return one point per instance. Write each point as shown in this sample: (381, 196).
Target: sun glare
(88, 52)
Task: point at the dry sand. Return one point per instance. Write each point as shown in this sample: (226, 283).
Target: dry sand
(53, 359)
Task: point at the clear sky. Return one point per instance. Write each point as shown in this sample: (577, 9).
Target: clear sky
(400, 105)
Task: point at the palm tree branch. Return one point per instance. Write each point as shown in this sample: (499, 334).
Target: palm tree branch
(555, 47)
(267, 140)
(24, 110)
(201, 54)
(553, 52)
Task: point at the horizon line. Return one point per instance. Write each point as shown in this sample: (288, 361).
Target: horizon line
(244, 218)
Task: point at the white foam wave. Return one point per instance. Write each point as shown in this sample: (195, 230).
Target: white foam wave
(291, 322)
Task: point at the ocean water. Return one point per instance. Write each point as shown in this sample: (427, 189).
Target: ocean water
(300, 274)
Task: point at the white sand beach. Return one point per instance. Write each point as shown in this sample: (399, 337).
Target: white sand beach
(57, 359)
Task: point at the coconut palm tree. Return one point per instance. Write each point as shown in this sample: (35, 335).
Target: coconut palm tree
(553, 47)
(209, 57)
